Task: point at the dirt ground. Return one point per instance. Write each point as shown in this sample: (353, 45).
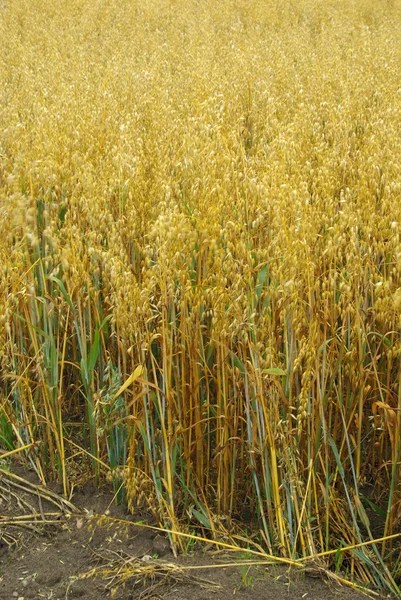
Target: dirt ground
(54, 550)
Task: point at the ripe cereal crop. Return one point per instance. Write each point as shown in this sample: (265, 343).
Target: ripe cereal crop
(200, 265)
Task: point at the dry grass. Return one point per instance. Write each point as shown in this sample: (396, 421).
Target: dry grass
(209, 191)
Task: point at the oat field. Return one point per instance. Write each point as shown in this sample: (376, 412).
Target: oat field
(200, 265)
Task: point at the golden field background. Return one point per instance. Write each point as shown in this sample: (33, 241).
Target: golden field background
(200, 264)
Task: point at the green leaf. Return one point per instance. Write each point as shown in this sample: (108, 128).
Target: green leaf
(386, 341)
(377, 509)
(187, 208)
(84, 373)
(34, 327)
(210, 349)
(94, 353)
(362, 513)
(201, 518)
(337, 457)
(338, 557)
(105, 320)
(383, 337)
(274, 371)
(145, 438)
(325, 343)
(63, 290)
(262, 276)
(238, 363)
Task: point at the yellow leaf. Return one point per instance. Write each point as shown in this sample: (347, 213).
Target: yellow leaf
(135, 375)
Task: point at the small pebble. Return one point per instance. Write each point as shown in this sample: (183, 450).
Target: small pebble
(283, 579)
(161, 546)
(77, 589)
(50, 579)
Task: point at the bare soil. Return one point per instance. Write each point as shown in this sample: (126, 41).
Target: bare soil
(54, 550)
